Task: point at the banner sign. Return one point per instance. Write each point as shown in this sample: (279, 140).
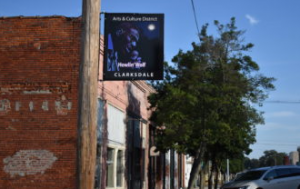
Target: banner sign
(133, 48)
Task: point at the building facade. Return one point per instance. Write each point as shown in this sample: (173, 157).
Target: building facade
(39, 79)
(126, 139)
(39, 66)
(294, 158)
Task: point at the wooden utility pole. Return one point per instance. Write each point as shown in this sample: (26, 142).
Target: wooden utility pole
(87, 119)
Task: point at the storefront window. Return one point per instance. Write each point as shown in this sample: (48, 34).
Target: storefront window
(120, 168)
(110, 167)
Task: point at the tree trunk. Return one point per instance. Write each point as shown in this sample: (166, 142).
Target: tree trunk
(210, 177)
(216, 177)
(196, 166)
(202, 177)
(213, 172)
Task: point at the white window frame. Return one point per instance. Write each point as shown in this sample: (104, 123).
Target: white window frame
(115, 161)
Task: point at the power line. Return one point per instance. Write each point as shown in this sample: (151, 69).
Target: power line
(195, 17)
(277, 144)
(277, 149)
(283, 102)
(275, 141)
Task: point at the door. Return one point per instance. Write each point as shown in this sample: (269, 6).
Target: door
(279, 179)
(270, 181)
(152, 159)
(135, 155)
(295, 177)
(284, 178)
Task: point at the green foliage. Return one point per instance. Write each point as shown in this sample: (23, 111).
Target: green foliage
(208, 94)
(235, 166)
(251, 163)
(271, 158)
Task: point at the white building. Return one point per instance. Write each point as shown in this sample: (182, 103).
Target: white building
(294, 157)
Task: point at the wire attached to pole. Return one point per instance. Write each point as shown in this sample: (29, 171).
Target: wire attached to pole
(195, 17)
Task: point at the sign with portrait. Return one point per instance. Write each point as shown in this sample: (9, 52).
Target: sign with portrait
(133, 48)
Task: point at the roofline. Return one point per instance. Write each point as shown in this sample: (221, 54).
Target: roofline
(30, 17)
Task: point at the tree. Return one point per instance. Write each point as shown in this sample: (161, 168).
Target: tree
(272, 158)
(235, 165)
(207, 97)
(251, 163)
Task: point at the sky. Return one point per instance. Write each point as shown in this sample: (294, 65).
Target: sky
(273, 26)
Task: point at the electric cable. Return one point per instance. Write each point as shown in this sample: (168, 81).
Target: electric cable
(195, 17)
(283, 102)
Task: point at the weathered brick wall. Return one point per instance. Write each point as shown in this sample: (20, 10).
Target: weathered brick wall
(39, 63)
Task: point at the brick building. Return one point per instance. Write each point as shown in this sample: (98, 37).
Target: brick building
(124, 130)
(39, 63)
(39, 74)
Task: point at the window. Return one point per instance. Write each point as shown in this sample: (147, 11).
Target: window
(97, 168)
(295, 171)
(120, 169)
(281, 173)
(251, 175)
(115, 168)
(116, 125)
(116, 145)
(271, 175)
(110, 168)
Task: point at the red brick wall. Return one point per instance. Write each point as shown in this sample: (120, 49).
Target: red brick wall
(39, 63)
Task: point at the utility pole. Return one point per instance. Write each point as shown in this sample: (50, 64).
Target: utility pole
(87, 113)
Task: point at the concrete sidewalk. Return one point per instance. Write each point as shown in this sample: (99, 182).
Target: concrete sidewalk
(206, 187)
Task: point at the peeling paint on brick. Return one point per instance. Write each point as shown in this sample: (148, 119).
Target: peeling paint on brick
(37, 45)
(4, 106)
(31, 106)
(18, 106)
(62, 107)
(29, 162)
(28, 74)
(35, 88)
(11, 128)
(45, 106)
(63, 97)
(37, 92)
(15, 120)
(69, 105)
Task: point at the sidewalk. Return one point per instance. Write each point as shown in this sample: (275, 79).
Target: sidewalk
(206, 187)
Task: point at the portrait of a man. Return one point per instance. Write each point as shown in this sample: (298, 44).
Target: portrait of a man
(133, 46)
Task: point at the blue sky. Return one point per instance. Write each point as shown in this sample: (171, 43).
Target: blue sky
(272, 25)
